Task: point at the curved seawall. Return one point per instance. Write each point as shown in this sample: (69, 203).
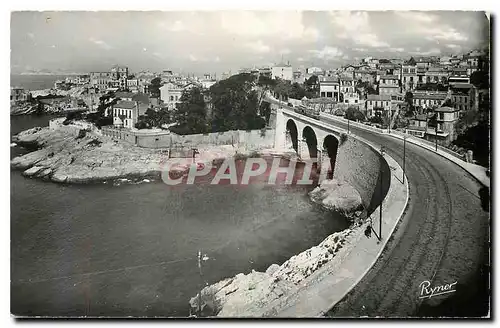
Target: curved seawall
(361, 166)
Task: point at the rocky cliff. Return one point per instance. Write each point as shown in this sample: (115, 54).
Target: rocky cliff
(339, 196)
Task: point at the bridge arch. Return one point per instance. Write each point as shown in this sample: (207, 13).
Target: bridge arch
(309, 137)
(292, 134)
(331, 145)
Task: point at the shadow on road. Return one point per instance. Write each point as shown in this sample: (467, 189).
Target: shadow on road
(484, 195)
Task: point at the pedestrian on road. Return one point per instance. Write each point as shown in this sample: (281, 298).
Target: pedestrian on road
(368, 231)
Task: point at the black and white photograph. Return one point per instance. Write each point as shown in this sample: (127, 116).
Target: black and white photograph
(290, 164)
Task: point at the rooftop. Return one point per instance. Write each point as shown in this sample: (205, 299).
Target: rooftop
(141, 97)
(125, 104)
(446, 109)
(420, 117)
(389, 77)
(329, 80)
(462, 86)
(124, 94)
(378, 97)
(435, 96)
(436, 70)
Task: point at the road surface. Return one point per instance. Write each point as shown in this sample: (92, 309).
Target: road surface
(443, 238)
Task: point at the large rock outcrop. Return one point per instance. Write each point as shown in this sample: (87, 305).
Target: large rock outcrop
(338, 196)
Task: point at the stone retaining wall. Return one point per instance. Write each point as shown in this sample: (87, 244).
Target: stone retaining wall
(255, 139)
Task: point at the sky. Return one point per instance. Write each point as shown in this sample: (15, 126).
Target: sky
(200, 42)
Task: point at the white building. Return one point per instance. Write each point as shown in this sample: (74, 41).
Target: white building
(126, 113)
(133, 85)
(351, 98)
(329, 88)
(314, 70)
(282, 71)
(170, 93)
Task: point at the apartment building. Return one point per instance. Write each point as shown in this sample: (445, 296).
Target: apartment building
(428, 99)
(389, 85)
(330, 88)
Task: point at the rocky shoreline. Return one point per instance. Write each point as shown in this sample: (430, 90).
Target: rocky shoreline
(261, 294)
(69, 154)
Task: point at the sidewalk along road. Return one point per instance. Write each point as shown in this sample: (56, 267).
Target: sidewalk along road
(443, 238)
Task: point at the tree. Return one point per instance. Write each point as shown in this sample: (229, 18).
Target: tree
(154, 118)
(354, 114)
(409, 103)
(365, 86)
(477, 139)
(447, 103)
(283, 89)
(376, 119)
(190, 113)
(265, 111)
(312, 85)
(297, 91)
(266, 82)
(141, 125)
(154, 87)
(432, 122)
(480, 79)
(235, 104)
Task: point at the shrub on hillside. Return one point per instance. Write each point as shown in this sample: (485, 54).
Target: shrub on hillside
(343, 138)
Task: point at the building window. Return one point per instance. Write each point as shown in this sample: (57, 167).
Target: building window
(322, 94)
(329, 95)
(171, 98)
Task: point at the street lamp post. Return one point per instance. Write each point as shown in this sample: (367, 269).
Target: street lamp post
(379, 235)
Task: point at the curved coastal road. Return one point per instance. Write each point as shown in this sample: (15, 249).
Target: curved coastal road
(443, 238)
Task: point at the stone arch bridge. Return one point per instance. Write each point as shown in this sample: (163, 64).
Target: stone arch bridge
(310, 138)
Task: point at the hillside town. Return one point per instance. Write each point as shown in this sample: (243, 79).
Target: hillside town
(425, 97)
